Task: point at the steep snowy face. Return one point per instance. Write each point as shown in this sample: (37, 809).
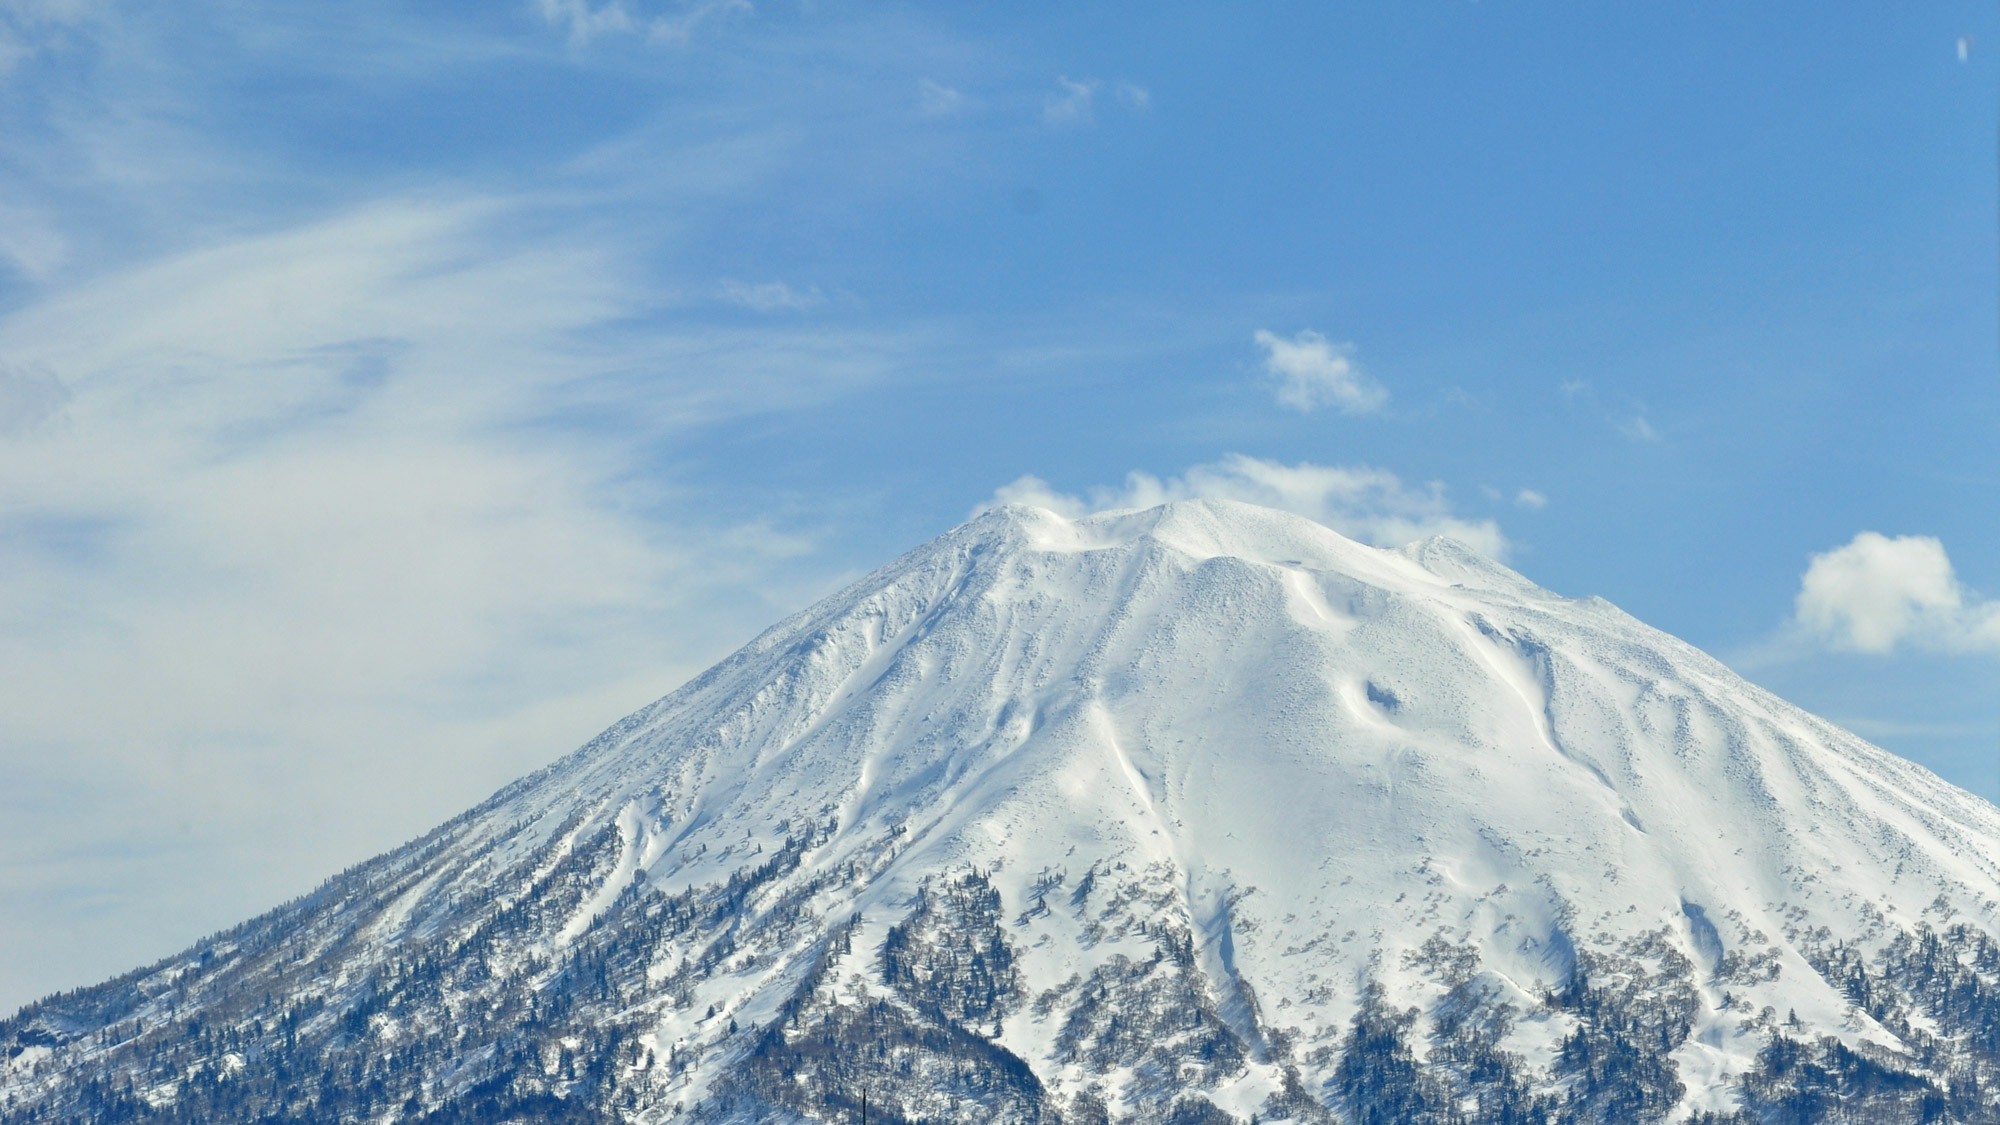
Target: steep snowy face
(1153, 813)
(1257, 702)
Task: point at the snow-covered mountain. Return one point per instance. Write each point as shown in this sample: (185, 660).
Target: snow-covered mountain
(1195, 814)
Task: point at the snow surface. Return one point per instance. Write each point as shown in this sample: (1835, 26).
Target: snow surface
(1332, 751)
(1314, 754)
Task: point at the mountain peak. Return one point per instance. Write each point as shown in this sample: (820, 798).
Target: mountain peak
(1200, 528)
(1129, 812)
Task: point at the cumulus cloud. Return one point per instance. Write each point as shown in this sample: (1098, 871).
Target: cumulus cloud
(1309, 372)
(1530, 499)
(1133, 96)
(1371, 505)
(1878, 593)
(1071, 103)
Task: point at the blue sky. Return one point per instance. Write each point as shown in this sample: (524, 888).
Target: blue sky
(391, 395)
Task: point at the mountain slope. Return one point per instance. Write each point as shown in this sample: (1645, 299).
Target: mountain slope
(1191, 813)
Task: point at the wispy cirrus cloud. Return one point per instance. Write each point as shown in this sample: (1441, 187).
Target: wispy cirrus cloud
(379, 497)
(679, 27)
(1071, 104)
(30, 241)
(770, 296)
(27, 399)
(935, 99)
(340, 482)
(1638, 428)
(586, 21)
(341, 435)
(28, 27)
(1629, 417)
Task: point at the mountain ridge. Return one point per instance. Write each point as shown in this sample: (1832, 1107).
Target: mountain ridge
(1168, 812)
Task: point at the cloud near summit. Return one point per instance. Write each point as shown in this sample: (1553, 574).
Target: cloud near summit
(1309, 371)
(1371, 505)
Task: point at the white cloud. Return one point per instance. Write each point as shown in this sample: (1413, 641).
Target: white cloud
(295, 466)
(27, 398)
(313, 537)
(1310, 372)
(587, 21)
(1073, 104)
(1372, 505)
(770, 296)
(679, 27)
(1628, 419)
(1530, 499)
(30, 241)
(1070, 105)
(48, 12)
(935, 99)
(1638, 429)
(1878, 593)
(33, 27)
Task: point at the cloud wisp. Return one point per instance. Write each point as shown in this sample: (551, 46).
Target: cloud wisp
(586, 22)
(1071, 105)
(770, 296)
(314, 535)
(1133, 96)
(337, 449)
(1308, 372)
(1638, 429)
(1878, 594)
(1371, 505)
(341, 482)
(1629, 420)
(935, 99)
(27, 398)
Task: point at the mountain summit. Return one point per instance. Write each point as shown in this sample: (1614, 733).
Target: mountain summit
(1201, 813)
